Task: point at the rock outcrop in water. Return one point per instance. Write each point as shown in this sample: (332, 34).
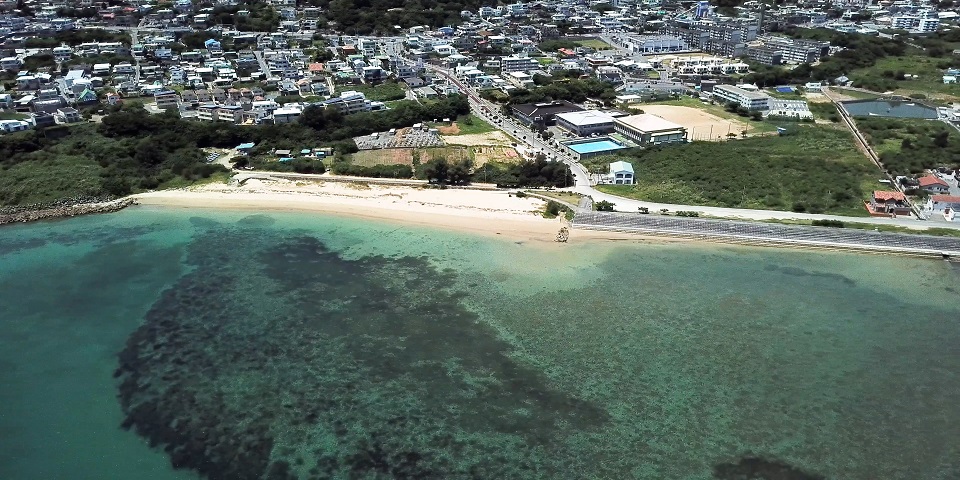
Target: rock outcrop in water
(63, 208)
(276, 358)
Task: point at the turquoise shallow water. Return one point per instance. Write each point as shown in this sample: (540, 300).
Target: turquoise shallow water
(298, 346)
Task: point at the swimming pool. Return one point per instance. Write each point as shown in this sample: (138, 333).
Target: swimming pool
(594, 147)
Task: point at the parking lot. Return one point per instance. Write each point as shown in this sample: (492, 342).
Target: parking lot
(403, 138)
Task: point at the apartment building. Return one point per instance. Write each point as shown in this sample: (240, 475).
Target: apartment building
(796, 51)
(518, 64)
(765, 55)
(167, 100)
(753, 101)
(349, 102)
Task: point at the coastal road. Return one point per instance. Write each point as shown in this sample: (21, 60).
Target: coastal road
(527, 138)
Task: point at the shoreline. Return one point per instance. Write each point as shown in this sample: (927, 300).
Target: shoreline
(494, 213)
(505, 216)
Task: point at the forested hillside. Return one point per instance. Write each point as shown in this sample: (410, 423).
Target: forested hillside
(368, 16)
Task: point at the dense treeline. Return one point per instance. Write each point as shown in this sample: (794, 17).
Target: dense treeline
(381, 16)
(860, 51)
(84, 160)
(262, 16)
(573, 90)
(528, 173)
(76, 37)
(923, 144)
(331, 125)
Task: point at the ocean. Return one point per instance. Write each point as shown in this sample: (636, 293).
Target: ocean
(181, 344)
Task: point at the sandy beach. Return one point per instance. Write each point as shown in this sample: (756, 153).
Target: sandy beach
(474, 211)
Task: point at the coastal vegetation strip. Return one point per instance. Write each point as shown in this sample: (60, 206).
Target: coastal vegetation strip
(132, 152)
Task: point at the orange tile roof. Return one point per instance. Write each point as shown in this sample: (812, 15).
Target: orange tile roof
(884, 196)
(946, 198)
(931, 180)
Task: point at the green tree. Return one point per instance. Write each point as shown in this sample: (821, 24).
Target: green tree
(603, 206)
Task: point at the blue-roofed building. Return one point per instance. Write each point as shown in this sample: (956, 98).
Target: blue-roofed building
(245, 147)
(212, 45)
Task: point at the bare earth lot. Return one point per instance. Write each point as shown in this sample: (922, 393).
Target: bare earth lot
(700, 124)
(489, 138)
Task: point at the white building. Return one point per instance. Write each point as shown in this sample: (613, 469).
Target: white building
(749, 100)
(286, 115)
(518, 64)
(585, 123)
(797, 109)
(349, 102)
(648, 129)
(9, 126)
(621, 173)
(946, 205)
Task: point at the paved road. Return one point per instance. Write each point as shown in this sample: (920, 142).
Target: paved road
(263, 63)
(726, 230)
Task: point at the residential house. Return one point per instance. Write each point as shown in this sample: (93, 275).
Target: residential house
(68, 115)
(933, 184)
(947, 205)
(87, 97)
(10, 126)
(884, 203)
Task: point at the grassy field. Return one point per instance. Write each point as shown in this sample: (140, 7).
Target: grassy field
(378, 93)
(815, 169)
(567, 197)
(13, 116)
(405, 156)
(940, 232)
(853, 93)
(929, 79)
(594, 43)
(467, 125)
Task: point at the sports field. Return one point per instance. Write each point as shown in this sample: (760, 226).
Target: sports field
(700, 124)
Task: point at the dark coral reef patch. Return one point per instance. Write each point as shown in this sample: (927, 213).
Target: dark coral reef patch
(277, 358)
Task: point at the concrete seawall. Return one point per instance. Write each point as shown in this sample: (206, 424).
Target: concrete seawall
(772, 234)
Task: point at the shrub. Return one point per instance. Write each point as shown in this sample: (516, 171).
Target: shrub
(828, 223)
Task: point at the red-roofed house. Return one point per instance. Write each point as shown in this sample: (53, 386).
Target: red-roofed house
(947, 205)
(315, 67)
(934, 184)
(888, 203)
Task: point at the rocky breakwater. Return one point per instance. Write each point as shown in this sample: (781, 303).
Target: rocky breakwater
(63, 208)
